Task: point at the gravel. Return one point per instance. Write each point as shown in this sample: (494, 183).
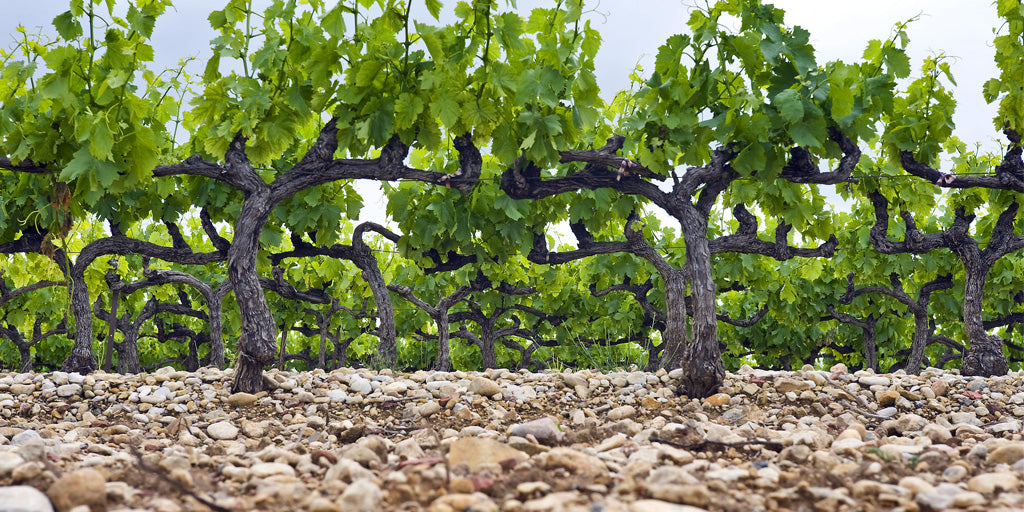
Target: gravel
(355, 439)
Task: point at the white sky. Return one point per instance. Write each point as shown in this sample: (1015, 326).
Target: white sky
(633, 29)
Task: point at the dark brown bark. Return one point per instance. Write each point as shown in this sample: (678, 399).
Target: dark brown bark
(256, 346)
(867, 325)
(917, 307)
(654, 318)
(108, 351)
(690, 202)
(985, 356)
(490, 333)
(214, 299)
(701, 359)
(25, 363)
(1009, 174)
(127, 349)
(323, 326)
(387, 346)
(745, 240)
(81, 358)
(439, 314)
(284, 347)
(360, 254)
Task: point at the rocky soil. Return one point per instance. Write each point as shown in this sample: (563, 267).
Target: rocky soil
(590, 441)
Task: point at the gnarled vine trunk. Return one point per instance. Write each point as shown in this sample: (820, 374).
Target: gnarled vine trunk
(701, 358)
(257, 343)
(985, 356)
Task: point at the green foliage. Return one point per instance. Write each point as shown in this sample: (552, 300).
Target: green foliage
(1009, 49)
(85, 106)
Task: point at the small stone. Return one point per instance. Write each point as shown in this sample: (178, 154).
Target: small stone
(463, 502)
(475, 452)
(688, 494)
(798, 453)
(27, 471)
(650, 403)
(69, 390)
(727, 474)
(347, 470)
(939, 387)
(661, 506)
(941, 498)
(968, 499)
(838, 369)
(222, 430)
(9, 461)
(964, 418)
(428, 409)
(235, 473)
(359, 384)
(887, 412)
(990, 482)
(1005, 426)
(461, 485)
(25, 437)
(937, 433)
(543, 429)
(22, 498)
(175, 462)
(888, 397)
(241, 399)
(847, 446)
(362, 454)
(955, 473)
(621, 413)
(484, 387)
(578, 463)
(717, 400)
(874, 380)
(1006, 454)
(361, 496)
(910, 423)
(528, 490)
(267, 469)
(735, 415)
(916, 485)
(789, 384)
(81, 487)
(611, 443)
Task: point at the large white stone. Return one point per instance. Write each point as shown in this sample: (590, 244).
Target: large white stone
(222, 430)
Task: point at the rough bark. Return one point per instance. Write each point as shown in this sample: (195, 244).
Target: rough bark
(439, 314)
(360, 254)
(984, 357)
(108, 352)
(690, 202)
(214, 298)
(917, 307)
(701, 359)
(81, 358)
(870, 350)
(256, 346)
(25, 363)
(12, 333)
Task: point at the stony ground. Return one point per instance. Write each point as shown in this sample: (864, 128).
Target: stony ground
(589, 441)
